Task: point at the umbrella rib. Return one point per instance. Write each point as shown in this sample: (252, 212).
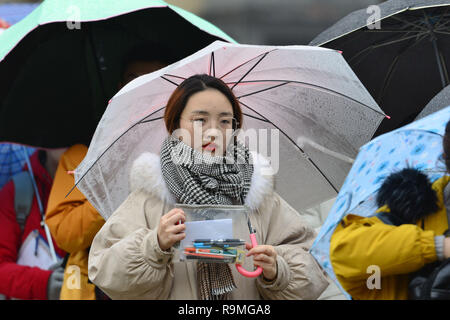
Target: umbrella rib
(244, 63)
(442, 16)
(393, 65)
(442, 25)
(212, 65)
(248, 71)
(359, 57)
(410, 23)
(150, 120)
(398, 40)
(369, 49)
(388, 76)
(174, 76)
(126, 131)
(378, 45)
(256, 118)
(391, 31)
(289, 138)
(444, 67)
(442, 32)
(441, 66)
(174, 83)
(315, 86)
(256, 81)
(262, 90)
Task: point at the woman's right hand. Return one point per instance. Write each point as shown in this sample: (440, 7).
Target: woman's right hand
(170, 231)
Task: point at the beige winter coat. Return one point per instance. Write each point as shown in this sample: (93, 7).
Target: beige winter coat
(125, 260)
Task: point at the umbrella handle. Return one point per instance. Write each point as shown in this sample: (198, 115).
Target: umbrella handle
(241, 270)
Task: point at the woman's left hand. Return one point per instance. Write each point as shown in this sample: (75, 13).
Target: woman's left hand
(264, 256)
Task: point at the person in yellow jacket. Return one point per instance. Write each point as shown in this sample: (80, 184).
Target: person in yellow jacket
(72, 220)
(389, 246)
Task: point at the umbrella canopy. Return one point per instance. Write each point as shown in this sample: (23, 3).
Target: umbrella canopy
(400, 56)
(62, 63)
(440, 101)
(318, 111)
(12, 160)
(12, 13)
(417, 145)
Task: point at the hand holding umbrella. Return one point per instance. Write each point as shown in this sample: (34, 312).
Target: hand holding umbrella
(265, 257)
(260, 257)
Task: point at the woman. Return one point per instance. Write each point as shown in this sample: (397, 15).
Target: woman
(131, 256)
(408, 233)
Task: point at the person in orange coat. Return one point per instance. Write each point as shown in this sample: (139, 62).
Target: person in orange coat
(72, 220)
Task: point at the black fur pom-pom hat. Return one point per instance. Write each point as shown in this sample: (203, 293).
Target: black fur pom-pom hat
(409, 195)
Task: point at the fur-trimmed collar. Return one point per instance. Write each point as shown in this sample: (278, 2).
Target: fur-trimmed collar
(146, 174)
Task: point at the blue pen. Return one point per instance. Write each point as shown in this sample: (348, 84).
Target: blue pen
(201, 245)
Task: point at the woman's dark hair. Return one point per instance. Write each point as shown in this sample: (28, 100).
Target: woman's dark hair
(446, 146)
(179, 98)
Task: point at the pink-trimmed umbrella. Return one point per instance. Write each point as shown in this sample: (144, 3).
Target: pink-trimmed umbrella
(317, 111)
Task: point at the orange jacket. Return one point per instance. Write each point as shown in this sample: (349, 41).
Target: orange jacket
(73, 222)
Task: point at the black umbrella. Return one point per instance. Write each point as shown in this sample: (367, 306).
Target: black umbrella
(56, 78)
(440, 101)
(403, 63)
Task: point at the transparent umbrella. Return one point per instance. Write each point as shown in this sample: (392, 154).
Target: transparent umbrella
(439, 102)
(316, 111)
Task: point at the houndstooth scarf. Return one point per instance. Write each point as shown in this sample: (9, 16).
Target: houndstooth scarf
(197, 178)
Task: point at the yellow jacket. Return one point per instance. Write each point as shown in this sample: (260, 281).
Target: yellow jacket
(358, 243)
(73, 222)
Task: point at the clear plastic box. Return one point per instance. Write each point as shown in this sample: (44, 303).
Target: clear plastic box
(214, 234)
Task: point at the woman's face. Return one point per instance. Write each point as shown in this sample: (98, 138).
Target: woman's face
(207, 122)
